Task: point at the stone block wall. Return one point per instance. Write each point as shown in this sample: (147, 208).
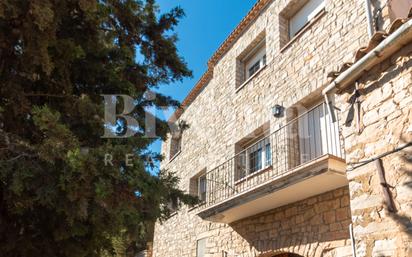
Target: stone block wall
(317, 226)
(386, 104)
(221, 115)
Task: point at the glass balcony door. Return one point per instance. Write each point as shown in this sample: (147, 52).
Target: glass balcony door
(318, 134)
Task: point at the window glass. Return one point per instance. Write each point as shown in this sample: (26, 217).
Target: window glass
(253, 158)
(202, 188)
(254, 69)
(268, 156)
(255, 161)
(255, 61)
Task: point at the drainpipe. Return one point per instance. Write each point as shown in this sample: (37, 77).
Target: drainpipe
(369, 17)
(401, 37)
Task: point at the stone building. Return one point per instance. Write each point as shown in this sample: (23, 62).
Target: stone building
(300, 136)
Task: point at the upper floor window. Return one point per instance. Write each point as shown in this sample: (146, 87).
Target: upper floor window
(254, 154)
(296, 17)
(251, 60)
(198, 185)
(254, 158)
(255, 62)
(307, 13)
(312, 132)
(202, 188)
(171, 207)
(175, 145)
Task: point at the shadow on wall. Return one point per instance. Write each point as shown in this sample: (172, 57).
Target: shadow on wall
(378, 19)
(406, 158)
(400, 191)
(375, 76)
(316, 221)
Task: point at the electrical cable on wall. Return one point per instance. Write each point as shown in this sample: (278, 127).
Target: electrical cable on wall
(355, 165)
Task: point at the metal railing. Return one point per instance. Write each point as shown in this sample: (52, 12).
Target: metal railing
(303, 139)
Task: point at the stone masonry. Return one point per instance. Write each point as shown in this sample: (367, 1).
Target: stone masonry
(224, 112)
(312, 227)
(386, 102)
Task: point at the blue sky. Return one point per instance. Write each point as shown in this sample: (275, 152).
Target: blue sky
(205, 27)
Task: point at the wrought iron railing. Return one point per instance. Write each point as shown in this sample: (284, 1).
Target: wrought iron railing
(304, 139)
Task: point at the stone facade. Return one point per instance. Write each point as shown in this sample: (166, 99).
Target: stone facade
(317, 226)
(386, 103)
(224, 113)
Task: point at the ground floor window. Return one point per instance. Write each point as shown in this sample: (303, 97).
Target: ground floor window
(201, 248)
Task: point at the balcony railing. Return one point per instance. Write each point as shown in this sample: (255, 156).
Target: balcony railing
(302, 140)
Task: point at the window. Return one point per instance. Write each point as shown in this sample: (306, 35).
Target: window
(268, 157)
(202, 188)
(255, 160)
(201, 248)
(312, 133)
(198, 185)
(255, 61)
(253, 157)
(175, 145)
(251, 60)
(255, 67)
(172, 207)
(309, 11)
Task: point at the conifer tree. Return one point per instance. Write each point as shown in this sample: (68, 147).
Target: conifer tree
(57, 59)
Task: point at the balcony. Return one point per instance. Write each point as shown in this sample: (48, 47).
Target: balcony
(302, 159)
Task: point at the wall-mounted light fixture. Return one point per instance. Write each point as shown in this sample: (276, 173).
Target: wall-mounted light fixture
(278, 111)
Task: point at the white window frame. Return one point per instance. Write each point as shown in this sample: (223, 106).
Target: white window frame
(260, 145)
(257, 58)
(264, 162)
(318, 136)
(304, 16)
(199, 187)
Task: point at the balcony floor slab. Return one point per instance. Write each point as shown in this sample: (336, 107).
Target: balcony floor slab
(316, 177)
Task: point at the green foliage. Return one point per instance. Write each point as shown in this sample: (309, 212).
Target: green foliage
(57, 196)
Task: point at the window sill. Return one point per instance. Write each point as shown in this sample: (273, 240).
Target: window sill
(303, 30)
(174, 156)
(251, 78)
(256, 173)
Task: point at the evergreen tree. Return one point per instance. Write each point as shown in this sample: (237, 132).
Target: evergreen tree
(57, 59)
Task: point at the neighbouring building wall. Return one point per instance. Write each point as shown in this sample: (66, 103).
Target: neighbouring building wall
(399, 8)
(318, 226)
(386, 103)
